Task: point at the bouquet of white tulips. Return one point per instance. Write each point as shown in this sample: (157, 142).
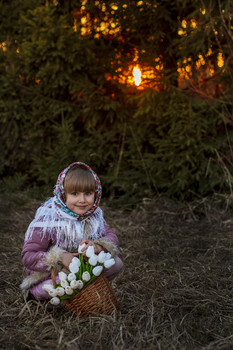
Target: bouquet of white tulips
(82, 273)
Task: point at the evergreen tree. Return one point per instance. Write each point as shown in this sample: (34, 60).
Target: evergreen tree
(63, 95)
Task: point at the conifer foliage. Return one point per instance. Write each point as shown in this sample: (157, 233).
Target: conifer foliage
(65, 96)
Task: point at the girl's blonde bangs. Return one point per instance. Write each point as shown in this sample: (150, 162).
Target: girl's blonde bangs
(79, 179)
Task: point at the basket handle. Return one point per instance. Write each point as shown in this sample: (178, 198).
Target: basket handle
(53, 275)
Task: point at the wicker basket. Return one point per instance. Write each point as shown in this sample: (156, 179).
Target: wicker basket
(98, 298)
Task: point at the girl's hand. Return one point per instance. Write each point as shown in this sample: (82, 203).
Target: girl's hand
(67, 258)
(89, 243)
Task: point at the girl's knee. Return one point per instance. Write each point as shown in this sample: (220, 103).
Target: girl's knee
(119, 264)
(115, 269)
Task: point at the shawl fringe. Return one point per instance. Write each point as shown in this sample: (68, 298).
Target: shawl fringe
(67, 231)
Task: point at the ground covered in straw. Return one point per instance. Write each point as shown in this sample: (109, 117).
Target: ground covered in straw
(175, 292)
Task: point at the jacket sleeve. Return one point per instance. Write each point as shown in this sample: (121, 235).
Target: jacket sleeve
(39, 253)
(109, 241)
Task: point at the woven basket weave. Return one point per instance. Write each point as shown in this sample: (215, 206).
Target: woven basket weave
(98, 298)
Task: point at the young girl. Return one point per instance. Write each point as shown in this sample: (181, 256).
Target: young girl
(70, 218)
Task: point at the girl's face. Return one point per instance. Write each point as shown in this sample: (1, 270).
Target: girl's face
(80, 202)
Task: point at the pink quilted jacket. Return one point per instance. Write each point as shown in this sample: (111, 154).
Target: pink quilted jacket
(36, 249)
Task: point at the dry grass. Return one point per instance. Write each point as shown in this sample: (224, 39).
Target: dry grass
(175, 293)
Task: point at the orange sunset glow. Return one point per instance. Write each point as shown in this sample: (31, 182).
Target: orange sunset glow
(141, 76)
(138, 74)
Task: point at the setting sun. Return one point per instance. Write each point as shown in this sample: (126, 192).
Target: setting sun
(137, 76)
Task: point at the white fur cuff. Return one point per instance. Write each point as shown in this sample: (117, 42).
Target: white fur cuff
(54, 257)
(33, 279)
(107, 245)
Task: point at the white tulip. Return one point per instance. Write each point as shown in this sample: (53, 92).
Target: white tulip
(55, 301)
(76, 284)
(80, 284)
(71, 277)
(109, 263)
(81, 246)
(74, 267)
(93, 260)
(60, 291)
(64, 283)
(47, 287)
(76, 260)
(62, 276)
(108, 256)
(90, 251)
(97, 270)
(86, 276)
(69, 290)
(52, 292)
(102, 257)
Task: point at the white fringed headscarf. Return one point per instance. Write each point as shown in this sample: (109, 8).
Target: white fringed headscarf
(53, 218)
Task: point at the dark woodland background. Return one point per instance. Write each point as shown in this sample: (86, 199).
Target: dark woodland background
(65, 95)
